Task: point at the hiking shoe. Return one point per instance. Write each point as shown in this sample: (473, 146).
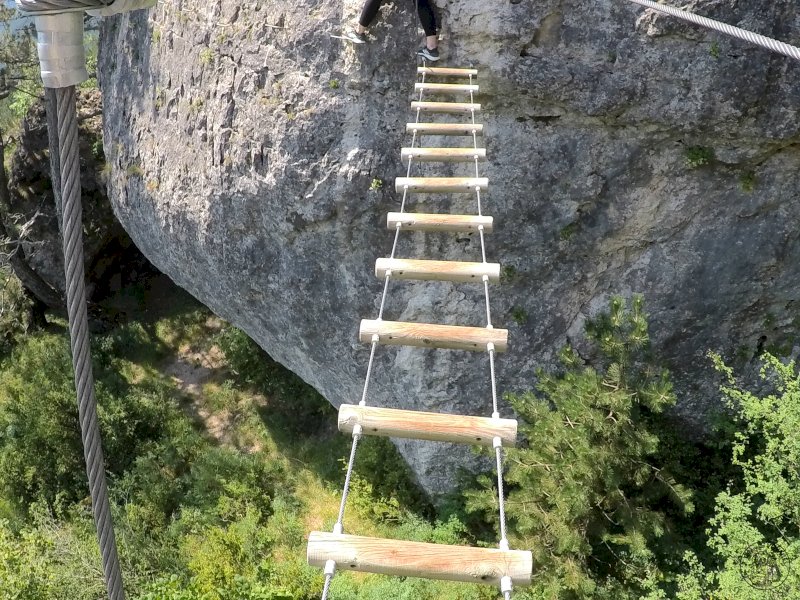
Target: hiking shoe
(351, 35)
(428, 54)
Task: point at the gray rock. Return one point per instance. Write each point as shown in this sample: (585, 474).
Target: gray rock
(259, 137)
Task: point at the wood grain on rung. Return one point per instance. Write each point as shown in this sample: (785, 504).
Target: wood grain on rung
(437, 427)
(441, 184)
(425, 335)
(418, 559)
(446, 107)
(438, 222)
(447, 87)
(437, 270)
(447, 71)
(445, 128)
(443, 154)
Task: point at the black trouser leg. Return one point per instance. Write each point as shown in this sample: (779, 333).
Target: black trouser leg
(427, 17)
(369, 12)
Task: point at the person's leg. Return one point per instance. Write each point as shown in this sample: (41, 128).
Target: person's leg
(368, 14)
(428, 19)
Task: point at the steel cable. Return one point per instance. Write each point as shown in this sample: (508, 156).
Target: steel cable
(34, 7)
(737, 32)
(72, 229)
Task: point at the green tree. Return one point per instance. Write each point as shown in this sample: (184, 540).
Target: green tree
(20, 84)
(587, 492)
(755, 531)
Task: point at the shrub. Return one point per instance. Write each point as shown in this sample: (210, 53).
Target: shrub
(41, 456)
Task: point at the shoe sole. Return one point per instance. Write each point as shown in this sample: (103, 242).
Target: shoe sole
(427, 57)
(348, 39)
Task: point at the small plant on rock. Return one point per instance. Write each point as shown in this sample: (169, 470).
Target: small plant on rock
(698, 156)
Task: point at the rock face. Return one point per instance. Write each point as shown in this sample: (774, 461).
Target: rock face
(627, 153)
(109, 252)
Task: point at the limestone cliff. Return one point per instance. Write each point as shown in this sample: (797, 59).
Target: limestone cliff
(627, 153)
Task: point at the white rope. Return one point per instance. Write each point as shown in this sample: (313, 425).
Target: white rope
(505, 585)
(742, 34)
(339, 526)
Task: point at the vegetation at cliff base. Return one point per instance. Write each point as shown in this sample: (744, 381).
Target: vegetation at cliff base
(221, 461)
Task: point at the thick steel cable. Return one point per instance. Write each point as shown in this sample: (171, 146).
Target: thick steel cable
(742, 34)
(498, 449)
(72, 229)
(40, 7)
(339, 525)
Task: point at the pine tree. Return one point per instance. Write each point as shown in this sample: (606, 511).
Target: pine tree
(585, 494)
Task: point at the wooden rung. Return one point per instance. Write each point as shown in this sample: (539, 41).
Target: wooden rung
(437, 270)
(445, 128)
(424, 335)
(434, 222)
(447, 71)
(418, 559)
(437, 427)
(447, 87)
(443, 154)
(446, 107)
(441, 184)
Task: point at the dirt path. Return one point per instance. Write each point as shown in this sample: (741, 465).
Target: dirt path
(191, 370)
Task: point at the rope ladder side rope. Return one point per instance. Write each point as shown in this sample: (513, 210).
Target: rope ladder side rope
(505, 582)
(330, 566)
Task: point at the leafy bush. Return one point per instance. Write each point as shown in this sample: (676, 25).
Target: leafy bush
(23, 573)
(755, 531)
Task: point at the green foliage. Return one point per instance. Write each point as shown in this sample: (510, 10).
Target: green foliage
(14, 309)
(519, 315)
(21, 84)
(294, 403)
(509, 274)
(568, 231)
(90, 43)
(206, 56)
(587, 494)
(698, 156)
(23, 573)
(383, 588)
(40, 448)
(755, 531)
(376, 185)
(334, 84)
(747, 181)
(714, 49)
